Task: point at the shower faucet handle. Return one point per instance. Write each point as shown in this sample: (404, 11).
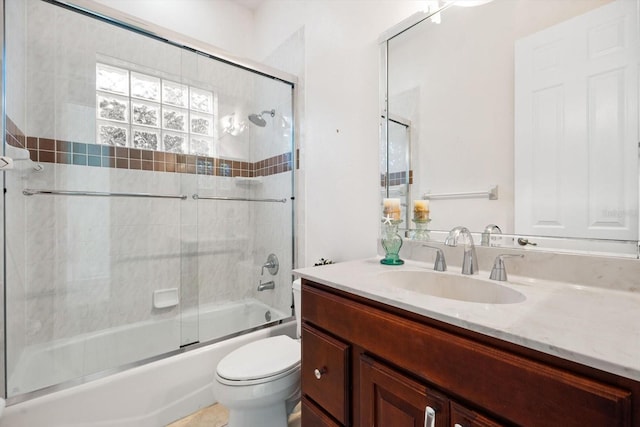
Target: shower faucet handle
(272, 265)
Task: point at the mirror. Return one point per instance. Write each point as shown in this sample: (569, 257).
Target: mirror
(520, 113)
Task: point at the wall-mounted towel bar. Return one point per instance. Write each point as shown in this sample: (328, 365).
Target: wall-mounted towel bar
(31, 192)
(238, 199)
(492, 194)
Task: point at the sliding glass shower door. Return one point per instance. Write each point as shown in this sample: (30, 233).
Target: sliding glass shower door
(143, 201)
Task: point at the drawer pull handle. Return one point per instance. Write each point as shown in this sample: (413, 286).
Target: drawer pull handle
(318, 372)
(429, 417)
(457, 425)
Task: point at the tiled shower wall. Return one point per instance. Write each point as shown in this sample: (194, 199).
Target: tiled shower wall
(93, 263)
(87, 264)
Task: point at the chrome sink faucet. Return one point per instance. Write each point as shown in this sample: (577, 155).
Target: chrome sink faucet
(486, 234)
(469, 260)
(499, 272)
(440, 264)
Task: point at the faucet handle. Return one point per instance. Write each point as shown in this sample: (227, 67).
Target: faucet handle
(440, 264)
(499, 271)
(272, 265)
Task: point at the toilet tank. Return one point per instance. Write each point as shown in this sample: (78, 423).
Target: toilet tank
(297, 303)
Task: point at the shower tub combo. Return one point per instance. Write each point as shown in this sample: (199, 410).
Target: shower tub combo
(143, 171)
(52, 363)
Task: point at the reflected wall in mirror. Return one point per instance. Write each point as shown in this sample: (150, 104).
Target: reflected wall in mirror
(538, 98)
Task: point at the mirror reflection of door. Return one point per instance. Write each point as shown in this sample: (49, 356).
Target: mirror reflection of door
(576, 133)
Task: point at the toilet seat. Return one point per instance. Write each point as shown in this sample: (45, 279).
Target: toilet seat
(260, 361)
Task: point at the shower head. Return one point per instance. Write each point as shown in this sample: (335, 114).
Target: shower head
(258, 120)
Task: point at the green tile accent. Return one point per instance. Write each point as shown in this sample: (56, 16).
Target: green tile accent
(93, 149)
(80, 159)
(94, 161)
(79, 148)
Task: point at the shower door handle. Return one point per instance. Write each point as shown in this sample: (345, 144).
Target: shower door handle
(9, 163)
(6, 163)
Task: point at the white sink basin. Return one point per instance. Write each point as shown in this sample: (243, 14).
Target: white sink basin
(444, 285)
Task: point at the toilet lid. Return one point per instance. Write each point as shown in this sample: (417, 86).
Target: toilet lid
(260, 359)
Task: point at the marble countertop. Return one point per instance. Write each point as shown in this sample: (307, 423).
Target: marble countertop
(593, 326)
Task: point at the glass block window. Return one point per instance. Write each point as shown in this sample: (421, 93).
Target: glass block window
(151, 113)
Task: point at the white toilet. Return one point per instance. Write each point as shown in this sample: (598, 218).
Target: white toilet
(260, 382)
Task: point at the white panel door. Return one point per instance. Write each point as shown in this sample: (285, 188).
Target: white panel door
(576, 126)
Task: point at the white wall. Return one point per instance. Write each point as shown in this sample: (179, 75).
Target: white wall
(338, 138)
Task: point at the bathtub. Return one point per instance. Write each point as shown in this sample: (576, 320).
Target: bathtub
(153, 394)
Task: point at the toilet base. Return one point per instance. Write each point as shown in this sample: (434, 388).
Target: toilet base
(271, 416)
(260, 405)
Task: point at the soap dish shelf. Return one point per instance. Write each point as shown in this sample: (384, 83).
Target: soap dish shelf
(165, 298)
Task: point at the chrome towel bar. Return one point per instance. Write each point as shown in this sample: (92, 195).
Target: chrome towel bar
(237, 199)
(492, 194)
(31, 192)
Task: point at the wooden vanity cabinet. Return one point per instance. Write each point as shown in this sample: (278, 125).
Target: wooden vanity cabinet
(392, 368)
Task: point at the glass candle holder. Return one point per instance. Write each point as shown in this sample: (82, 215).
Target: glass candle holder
(421, 232)
(391, 242)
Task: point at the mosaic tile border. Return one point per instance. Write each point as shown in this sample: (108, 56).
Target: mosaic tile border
(46, 150)
(14, 136)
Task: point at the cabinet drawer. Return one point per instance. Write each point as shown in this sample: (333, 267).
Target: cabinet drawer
(325, 362)
(464, 417)
(312, 416)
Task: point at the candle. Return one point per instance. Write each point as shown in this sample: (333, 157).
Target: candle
(391, 208)
(421, 209)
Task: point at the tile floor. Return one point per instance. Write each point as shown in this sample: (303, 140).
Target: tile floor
(217, 416)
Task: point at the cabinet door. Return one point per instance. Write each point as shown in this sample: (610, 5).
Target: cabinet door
(464, 417)
(388, 398)
(325, 373)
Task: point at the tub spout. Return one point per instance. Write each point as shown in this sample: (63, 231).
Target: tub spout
(267, 285)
